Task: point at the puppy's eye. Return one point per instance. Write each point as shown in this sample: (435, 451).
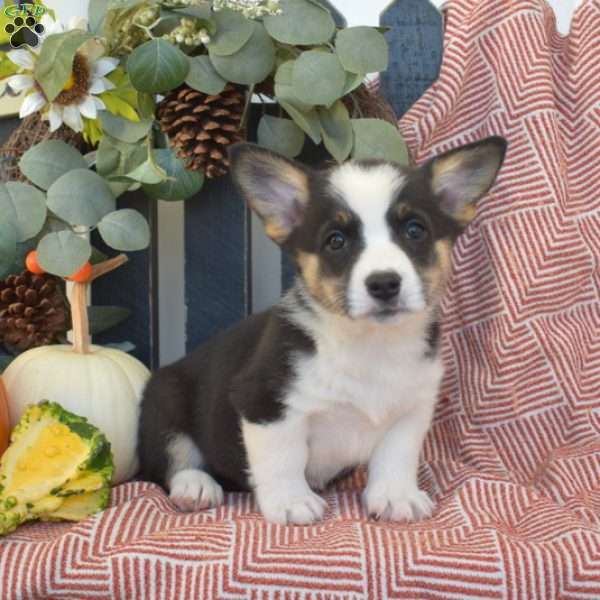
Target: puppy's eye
(336, 241)
(414, 230)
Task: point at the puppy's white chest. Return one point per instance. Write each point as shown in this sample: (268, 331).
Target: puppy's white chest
(354, 389)
(380, 376)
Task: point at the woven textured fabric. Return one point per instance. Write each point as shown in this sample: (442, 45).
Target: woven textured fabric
(513, 458)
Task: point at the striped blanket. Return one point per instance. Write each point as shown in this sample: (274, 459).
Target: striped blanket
(513, 458)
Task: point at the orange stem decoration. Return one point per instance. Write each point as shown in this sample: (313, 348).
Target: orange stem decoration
(79, 309)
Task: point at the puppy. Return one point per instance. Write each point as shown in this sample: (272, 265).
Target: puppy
(345, 369)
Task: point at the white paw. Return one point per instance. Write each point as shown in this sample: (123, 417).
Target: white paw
(395, 502)
(193, 490)
(295, 505)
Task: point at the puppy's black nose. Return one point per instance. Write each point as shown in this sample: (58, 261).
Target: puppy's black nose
(384, 285)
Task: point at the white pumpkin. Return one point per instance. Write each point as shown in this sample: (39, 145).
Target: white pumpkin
(104, 385)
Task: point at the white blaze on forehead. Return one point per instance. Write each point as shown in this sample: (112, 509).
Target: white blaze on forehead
(369, 191)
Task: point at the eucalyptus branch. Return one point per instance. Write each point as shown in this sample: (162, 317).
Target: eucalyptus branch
(147, 29)
(246, 111)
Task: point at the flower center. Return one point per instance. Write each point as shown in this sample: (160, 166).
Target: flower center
(76, 88)
(70, 83)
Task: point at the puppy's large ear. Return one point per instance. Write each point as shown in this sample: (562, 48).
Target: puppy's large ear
(274, 187)
(462, 176)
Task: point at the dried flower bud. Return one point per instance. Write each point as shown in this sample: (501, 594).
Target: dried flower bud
(251, 9)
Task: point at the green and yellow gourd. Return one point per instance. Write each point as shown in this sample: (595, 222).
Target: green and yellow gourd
(104, 385)
(4, 419)
(58, 466)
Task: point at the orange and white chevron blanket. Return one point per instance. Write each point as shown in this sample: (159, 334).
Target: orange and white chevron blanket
(513, 458)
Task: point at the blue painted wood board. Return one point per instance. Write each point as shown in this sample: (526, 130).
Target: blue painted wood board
(416, 41)
(133, 286)
(217, 265)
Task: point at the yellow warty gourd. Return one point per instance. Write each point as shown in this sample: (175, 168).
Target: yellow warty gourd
(57, 466)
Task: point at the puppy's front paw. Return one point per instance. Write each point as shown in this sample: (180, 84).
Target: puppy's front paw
(295, 505)
(193, 490)
(395, 502)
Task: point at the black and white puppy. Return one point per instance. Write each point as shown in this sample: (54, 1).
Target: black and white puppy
(344, 370)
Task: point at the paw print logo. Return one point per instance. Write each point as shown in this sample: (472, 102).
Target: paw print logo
(24, 32)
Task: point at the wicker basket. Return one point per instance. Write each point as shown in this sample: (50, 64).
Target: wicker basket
(31, 131)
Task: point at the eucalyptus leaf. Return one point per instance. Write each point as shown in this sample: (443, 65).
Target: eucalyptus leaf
(318, 78)
(203, 77)
(146, 105)
(182, 183)
(374, 138)
(63, 253)
(23, 249)
(233, 31)
(280, 135)
(199, 11)
(157, 66)
(362, 50)
(114, 157)
(45, 162)
(124, 129)
(148, 172)
(103, 318)
(54, 65)
(97, 10)
(353, 80)
(301, 23)
(107, 157)
(308, 121)
(285, 53)
(126, 230)
(120, 186)
(252, 63)
(97, 256)
(89, 158)
(284, 88)
(81, 197)
(336, 129)
(24, 207)
(8, 247)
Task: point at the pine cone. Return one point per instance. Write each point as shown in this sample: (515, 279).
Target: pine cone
(201, 127)
(33, 311)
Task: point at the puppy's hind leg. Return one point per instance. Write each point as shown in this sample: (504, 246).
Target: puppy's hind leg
(191, 488)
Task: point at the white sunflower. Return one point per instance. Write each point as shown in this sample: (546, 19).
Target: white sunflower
(79, 96)
(51, 26)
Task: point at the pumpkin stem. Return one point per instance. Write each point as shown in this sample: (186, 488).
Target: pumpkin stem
(79, 317)
(79, 309)
(107, 266)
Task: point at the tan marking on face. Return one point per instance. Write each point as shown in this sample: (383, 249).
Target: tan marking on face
(467, 214)
(277, 233)
(343, 217)
(309, 267)
(436, 276)
(402, 210)
(325, 290)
